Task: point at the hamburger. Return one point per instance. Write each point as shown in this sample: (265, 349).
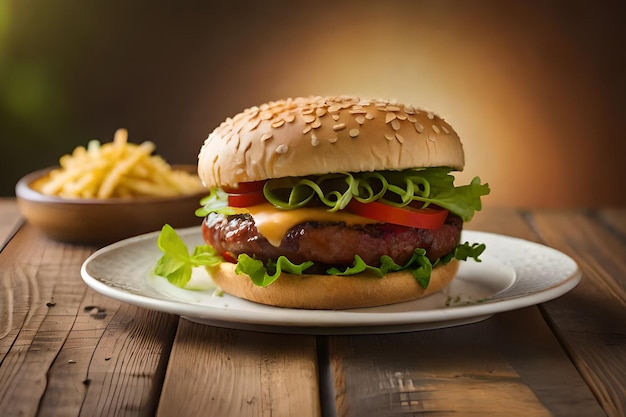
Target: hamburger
(334, 203)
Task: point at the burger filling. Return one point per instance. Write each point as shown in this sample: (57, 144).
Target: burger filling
(342, 224)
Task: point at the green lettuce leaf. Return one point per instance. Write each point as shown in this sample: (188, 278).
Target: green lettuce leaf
(396, 188)
(216, 201)
(419, 265)
(463, 200)
(176, 263)
(465, 251)
(263, 275)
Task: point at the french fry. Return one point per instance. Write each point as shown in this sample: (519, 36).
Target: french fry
(118, 169)
(122, 167)
(58, 180)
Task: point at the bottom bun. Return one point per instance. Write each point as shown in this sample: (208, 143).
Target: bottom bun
(332, 292)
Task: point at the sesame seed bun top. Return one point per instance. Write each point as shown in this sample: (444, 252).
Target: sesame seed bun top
(320, 135)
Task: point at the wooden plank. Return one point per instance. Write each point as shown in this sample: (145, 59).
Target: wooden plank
(502, 220)
(222, 372)
(117, 369)
(66, 350)
(591, 319)
(10, 219)
(615, 218)
(508, 365)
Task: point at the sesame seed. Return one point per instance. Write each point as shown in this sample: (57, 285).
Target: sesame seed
(401, 116)
(282, 149)
(314, 140)
(334, 108)
(395, 124)
(436, 129)
(307, 129)
(335, 117)
(333, 139)
(411, 119)
(320, 111)
(389, 117)
(389, 136)
(360, 119)
(399, 138)
(418, 127)
(255, 123)
(278, 123)
(445, 130)
(393, 108)
(290, 118)
(309, 118)
(430, 115)
(316, 123)
(339, 126)
(369, 116)
(354, 133)
(267, 115)
(266, 136)
(308, 110)
(357, 110)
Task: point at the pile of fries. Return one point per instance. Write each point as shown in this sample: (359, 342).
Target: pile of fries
(117, 169)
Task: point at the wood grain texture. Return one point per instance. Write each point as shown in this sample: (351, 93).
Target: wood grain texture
(10, 219)
(497, 367)
(503, 221)
(221, 372)
(614, 219)
(65, 350)
(591, 319)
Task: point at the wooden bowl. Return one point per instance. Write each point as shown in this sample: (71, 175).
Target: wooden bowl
(103, 221)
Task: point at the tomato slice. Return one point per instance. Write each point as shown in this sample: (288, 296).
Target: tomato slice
(246, 199)
(246, 194)
(426, 218)
(246, 187)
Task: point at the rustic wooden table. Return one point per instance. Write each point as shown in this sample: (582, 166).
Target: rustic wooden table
(66, 350)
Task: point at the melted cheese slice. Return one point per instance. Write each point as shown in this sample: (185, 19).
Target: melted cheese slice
(274, 223)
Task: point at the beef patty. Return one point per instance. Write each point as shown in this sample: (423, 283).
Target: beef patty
(331, 244)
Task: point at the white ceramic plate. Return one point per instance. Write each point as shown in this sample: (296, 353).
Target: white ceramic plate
(514, 273)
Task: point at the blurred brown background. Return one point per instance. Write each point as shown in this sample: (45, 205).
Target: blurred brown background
(536, 89)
